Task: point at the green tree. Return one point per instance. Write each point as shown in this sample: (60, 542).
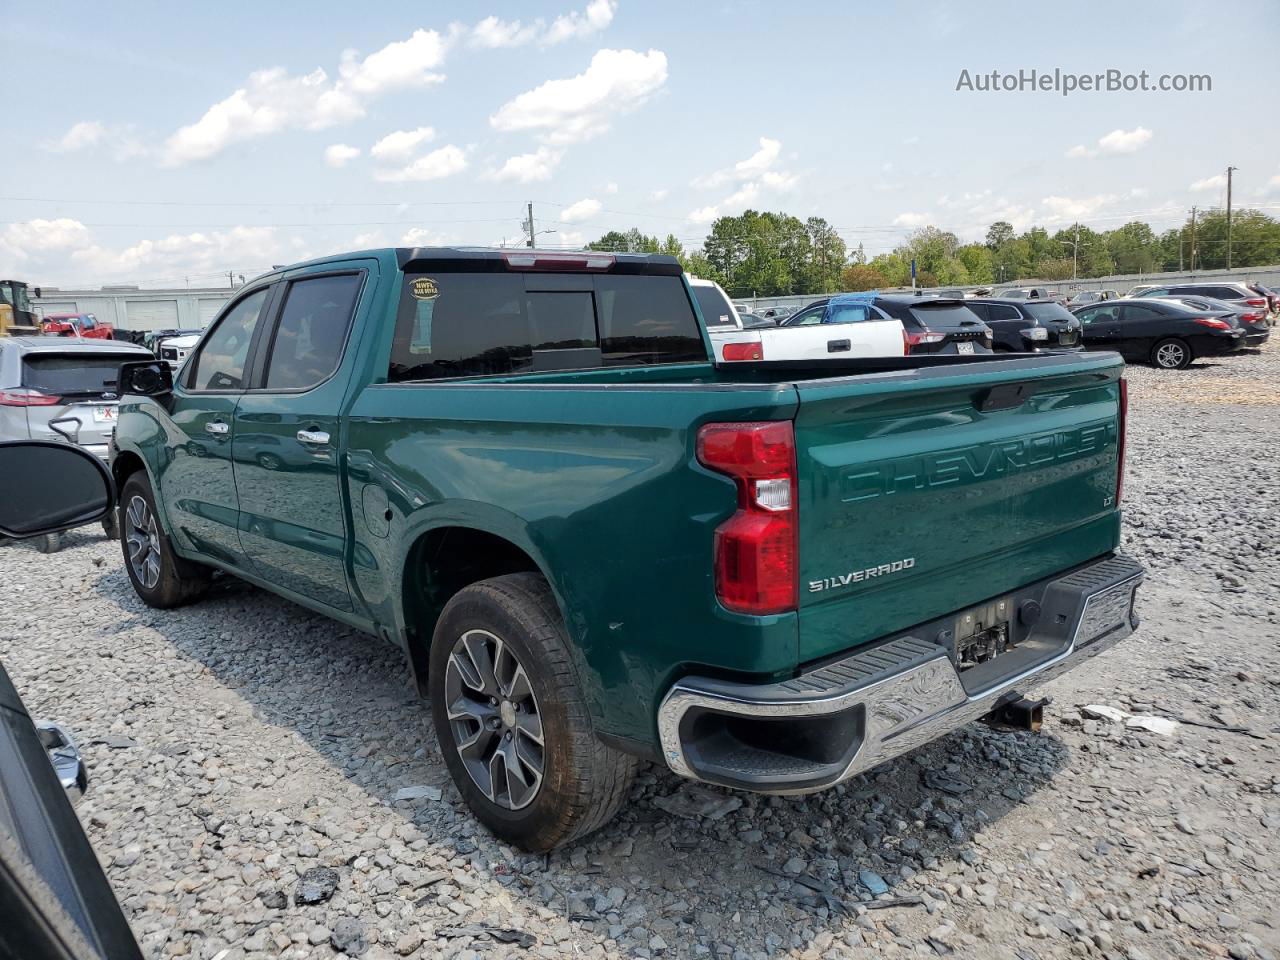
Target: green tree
(998, 234)
(979, 261)
(859, 276)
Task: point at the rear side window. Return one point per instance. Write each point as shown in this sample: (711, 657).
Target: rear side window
(487, 324)
(220, 363)
(849, 313)
(716, 310)
(312, 331)
(1002, 311)
(68, 374)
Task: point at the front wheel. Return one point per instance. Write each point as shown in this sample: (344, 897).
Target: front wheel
(160, 577)
(511, 718)
(1171, 354)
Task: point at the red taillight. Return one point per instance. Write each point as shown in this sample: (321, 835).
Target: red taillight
(927, 336)
(1124, 427)
(1212, 322)
(1250, 317)
(906, 342)
(545, 260)
(1256, 302)
(26, 397)
(744, 351)
(755, 549)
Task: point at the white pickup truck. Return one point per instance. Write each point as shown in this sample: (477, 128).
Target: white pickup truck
(847, 325)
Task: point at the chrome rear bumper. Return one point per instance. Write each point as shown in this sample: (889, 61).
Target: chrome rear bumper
(843, 718)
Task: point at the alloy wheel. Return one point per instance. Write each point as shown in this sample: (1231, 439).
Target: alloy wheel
(494, 718)
(143, 539)
(1170, 355)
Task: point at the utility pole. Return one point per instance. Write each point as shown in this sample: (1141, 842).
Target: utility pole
(1229, 171)
(1075, 253)
(1193, 241)
(530, 223)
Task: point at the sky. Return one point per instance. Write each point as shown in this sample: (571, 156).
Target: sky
(168, 145)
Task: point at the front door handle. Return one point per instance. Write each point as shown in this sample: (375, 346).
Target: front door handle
(312, 436)
(217, 428)
(836, 346)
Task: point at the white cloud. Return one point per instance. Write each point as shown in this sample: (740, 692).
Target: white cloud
(400, 145)
(1217, 182)
(492, 33)
(435, 165)
(20, 242)
(86, 133)
(752, 176)
(744, 196)
(397, 66)
(911, 220)
(610, 187)
(1067, 208)
(528, 167)
(582, 210)
(580, 107)
(273, 99)
(753, 166)
(576, 26)
(340, 154)
(422, 237)
(779, 180)
(570, 238)
(660, 194)
(1116, 142)
(704, 214)
(247, 249)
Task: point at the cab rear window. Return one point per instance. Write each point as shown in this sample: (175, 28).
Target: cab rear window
(492, 324)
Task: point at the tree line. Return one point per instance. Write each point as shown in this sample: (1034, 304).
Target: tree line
(775, 254)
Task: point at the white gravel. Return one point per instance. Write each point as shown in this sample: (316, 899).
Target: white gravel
(238, 743)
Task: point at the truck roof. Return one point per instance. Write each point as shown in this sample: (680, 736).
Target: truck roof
(63, 344)
(480, 258)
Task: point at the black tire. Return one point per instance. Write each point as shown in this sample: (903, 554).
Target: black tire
(176, 581)
(49, 542)
(1171, 354)
(583, 781)
(111, 526)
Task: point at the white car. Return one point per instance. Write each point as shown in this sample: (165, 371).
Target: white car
(174, 350)
(845, 325)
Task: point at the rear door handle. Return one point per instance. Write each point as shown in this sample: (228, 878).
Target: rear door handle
(835, 346)
(217, 428)
(312, 436)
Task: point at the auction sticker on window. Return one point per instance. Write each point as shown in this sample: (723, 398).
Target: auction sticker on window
(424, 288)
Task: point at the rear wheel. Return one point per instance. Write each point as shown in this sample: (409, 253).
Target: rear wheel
(160, 577)
(49, 542)
(1171, 354)
(511, 718)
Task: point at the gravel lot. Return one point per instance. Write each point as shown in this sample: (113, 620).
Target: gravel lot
(239, 743)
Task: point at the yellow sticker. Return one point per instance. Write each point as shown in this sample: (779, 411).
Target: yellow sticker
(424, 288)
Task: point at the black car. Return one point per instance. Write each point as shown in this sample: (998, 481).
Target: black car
(1028, 326)
(1239, 295)
(1254, 323)
(1166, 333)
(753, 321)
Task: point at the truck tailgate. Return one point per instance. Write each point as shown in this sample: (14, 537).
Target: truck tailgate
(924, 492)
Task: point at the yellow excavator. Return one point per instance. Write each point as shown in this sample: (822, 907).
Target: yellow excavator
(16, 316)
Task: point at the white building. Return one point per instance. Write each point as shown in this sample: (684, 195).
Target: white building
(134, 308)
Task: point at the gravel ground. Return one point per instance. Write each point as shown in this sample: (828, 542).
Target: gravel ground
(247, 757)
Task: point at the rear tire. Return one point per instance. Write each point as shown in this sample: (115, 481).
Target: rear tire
(160, 577)
(111, 526)
(500, 669)
(1171, 354)
(49, 542)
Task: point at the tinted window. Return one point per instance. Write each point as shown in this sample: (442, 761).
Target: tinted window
(1158, 292)
(849, 313)
(1142, 313)
(482, 324)
(1048, 311)
(1002, 311)
(220, 363)
(943, 315)
(716, 311)
(312, 330)
(63, 374)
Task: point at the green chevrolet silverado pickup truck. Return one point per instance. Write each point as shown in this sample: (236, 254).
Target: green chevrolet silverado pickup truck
(596, 547)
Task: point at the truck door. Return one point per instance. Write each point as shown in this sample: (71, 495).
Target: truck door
(197, 484)
(286, 447)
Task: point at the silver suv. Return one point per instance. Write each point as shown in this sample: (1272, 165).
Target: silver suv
(53, 387)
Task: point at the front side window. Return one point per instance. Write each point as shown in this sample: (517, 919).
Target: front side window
(805, 317)
(220, 363)
(849, 313)
(312, 331)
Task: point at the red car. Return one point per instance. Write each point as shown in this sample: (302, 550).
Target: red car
(77, 325)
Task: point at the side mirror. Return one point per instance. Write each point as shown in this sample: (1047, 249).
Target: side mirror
(64, 486)
(147, 378)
